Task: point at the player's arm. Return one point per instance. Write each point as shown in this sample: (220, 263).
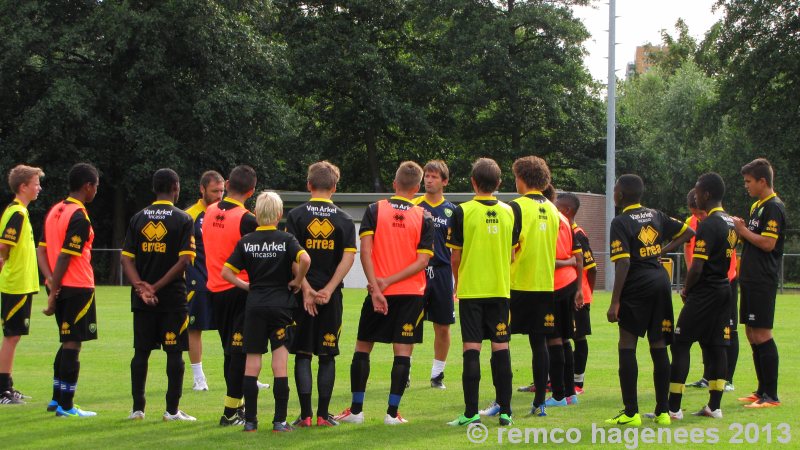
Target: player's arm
(681, 234)
(591, 277)
(379, 303)
(579, 281)
(4, 251)
(621, 257)
(455, 263)
(706, 241)
(299, 269)
(10, 235)
(344, 266)
(765, 241)
(693, 276)
(455, 242)
(185, 255)
(235, 264)
(572, 261)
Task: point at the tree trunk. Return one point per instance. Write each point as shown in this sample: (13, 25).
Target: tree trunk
(372, 158)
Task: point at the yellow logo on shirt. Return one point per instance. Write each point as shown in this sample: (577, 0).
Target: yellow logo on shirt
(648, 237)
(772, 226)
(616, 246)
(733, 238)
(75, 242)
(154, 233)
(320, 230)
(10, 234)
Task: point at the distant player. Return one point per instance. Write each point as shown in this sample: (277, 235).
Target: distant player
(732, 350)
(276, 264)
(65, 260)
(158, 246)
(19, 276)
(642, 297)
(396, 244)
(482, 241)
(763, 236)
(224, 225)
(569, 204)
(439, 308)
(201, 313)
(329, 236)
(705, 316)
(568, 296)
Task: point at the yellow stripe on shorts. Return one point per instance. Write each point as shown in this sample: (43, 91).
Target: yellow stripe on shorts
(85, 309)
(17, 307)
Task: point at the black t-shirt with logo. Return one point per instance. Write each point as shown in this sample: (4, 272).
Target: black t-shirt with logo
(267, 255)
(326, 232)
(767, 218)
(638, 233)
(715, 243)
(157, 237)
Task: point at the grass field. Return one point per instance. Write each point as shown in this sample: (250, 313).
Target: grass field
(104, 387)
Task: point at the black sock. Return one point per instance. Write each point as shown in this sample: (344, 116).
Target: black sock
(628, 377)
(541, 366)
(359, 374)
(679, 370)
(556, 370)
(581, 355)
(707, 358)
(326, 377)
(400, 371)
(5, 383)
(281, 393)
(503, 377)
(139, 378)
(757, 364)
(250, 388)
(175, 371)
(716, 384)
(733, 355)
(661, 373)
(234, 379)
(57, 376)
(768, 355)
(303, 382)
(70, 369)
(471, 380)
(569, 370)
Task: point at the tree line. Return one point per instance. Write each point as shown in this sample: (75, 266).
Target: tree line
(133, 86)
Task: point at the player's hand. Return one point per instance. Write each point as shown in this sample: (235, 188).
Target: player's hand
(379, 303)
(323, 296)
(149, 299)
(295, 285)
(613, 312)
(382, 284)
(683, 295)
(51, 304)
(579, 300)
(739, 223)
(310, 305)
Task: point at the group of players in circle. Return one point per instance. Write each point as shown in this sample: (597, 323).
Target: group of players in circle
(523, 267)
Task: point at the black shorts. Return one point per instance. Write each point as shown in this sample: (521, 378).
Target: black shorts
(15, 313)
(403, 324)
(318, 335)
(532, 312)
(583, 322)
(438, 299)
(757, 305)
(648, 310)
(705, 317)
(565, 311)
(734, 303)
(484, 318)
(265, 325)
(76, 314)
(160, 329)
(229, 313)
(201, 312)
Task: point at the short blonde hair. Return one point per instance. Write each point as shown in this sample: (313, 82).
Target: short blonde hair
(22, 174)
(408, 176)
(269, 208)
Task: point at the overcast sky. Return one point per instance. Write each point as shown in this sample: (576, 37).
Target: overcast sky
(639, 22)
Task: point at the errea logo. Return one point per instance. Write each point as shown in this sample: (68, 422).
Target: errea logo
(169, 338)
(329, 340)
(408, 330)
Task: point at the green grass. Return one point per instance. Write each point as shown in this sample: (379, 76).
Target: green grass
(105, 387)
